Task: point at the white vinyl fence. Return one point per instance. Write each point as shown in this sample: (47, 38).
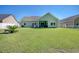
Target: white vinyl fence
(4, 25)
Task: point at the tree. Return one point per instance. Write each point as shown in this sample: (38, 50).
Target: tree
(12, 29)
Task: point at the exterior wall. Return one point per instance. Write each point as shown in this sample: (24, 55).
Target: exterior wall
(58, 24)
(11, 20)
(52, 21)
(29, 24)
(62, 25)
(67, 24)
(76, 23)
(4, 25)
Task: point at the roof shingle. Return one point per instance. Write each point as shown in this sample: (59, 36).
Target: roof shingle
(70, 18)
(2, 16)
(31, 18)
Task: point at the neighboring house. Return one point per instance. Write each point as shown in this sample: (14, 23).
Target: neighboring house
(6, 20)
(47, 20)
(70, 22)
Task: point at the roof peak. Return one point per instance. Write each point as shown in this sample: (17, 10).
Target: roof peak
(48, 13)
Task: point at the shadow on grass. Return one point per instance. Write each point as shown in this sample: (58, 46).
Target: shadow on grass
(8, 32)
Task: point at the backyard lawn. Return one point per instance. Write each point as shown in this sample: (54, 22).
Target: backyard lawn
(40, 40)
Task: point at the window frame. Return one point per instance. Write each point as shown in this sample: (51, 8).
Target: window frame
(52, 23)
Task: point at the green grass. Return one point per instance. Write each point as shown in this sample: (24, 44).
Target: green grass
(40, 40)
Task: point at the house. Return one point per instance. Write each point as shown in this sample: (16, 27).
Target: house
(70, 22)
(6, 20)
(47, 20)
(29, 21)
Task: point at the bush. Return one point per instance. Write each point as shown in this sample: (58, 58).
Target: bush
(12, 29)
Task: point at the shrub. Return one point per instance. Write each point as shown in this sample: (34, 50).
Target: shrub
(12, 29)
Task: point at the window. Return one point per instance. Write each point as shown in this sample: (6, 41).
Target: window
(53, 24)
(77, 24)
(24, 23)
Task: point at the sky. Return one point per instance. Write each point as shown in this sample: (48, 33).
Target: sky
(59, 11)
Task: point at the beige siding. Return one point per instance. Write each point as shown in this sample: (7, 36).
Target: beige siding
(11, 20)
(68, 23)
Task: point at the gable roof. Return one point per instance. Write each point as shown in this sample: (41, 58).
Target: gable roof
(38, 18)
(70, 18)
(2, 16)
(48, 16)
(30, 18)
